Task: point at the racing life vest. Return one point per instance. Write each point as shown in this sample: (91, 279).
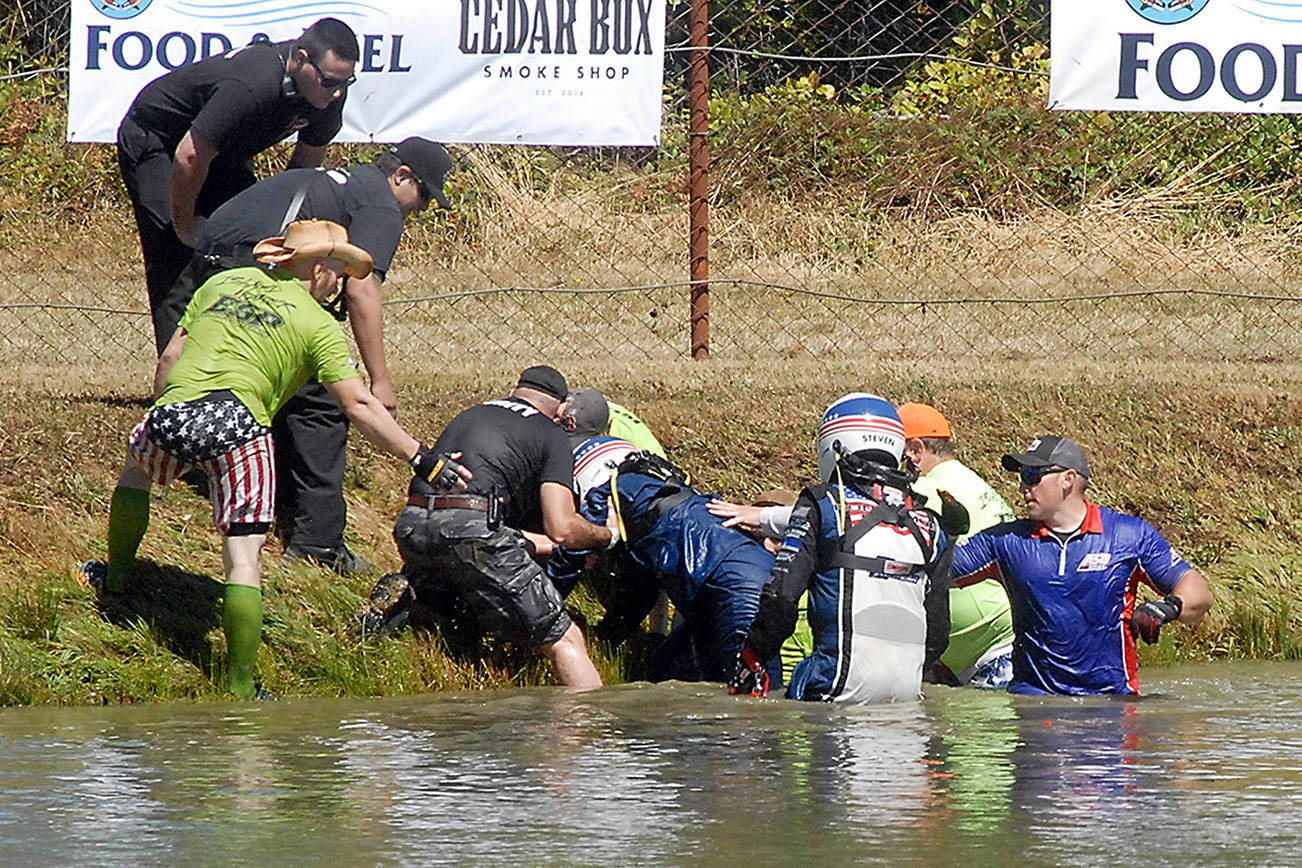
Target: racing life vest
(867, 598)
(675, 488)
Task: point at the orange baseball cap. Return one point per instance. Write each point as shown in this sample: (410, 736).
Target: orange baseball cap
(923, 420)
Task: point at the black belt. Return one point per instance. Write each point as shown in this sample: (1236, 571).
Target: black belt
(440, 501)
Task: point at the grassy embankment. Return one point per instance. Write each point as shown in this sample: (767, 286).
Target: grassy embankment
(1207, 450)
(1207, 461)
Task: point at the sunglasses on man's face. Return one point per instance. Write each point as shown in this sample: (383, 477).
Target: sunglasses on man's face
(421, 189)
(326, 81)
(1031, 476)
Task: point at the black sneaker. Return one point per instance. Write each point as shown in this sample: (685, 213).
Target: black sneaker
(342, 560)
(390, 607)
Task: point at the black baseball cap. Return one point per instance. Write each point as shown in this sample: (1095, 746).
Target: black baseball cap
(1052, 451)
(545, 379)
(431, 163)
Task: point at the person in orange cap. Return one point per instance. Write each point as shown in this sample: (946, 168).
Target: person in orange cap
(929, 448)
(981, 623)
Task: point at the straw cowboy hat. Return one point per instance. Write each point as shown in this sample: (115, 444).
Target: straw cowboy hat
(314, 239)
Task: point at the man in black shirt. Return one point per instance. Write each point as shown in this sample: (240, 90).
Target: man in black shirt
(188, 141)
(473, 545)
(311, 432)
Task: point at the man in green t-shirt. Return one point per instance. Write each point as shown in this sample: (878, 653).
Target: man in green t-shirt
(249, 339)
(981, 622)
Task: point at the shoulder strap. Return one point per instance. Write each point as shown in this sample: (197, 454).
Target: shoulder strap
(295, 204)
(883, 513)
(675, 488)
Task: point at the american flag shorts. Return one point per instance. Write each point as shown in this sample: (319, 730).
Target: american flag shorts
(241, 482)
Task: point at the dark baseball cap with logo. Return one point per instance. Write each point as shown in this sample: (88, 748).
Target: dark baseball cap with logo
(545, 379)
(431, 163)
(1049, 451)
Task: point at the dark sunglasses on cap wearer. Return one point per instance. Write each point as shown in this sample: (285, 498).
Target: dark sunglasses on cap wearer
(421, 189)
(1031, 476)
(326, 81)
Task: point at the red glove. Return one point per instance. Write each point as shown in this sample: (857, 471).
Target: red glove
(750, 676)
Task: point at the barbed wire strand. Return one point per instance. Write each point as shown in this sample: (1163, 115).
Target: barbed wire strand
(741, 52)
(853, 58)
(754, 284)
(32, 73)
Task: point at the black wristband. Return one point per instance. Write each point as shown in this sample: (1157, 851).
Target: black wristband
(1173, 600)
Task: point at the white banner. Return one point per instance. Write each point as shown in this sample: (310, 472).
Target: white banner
(541, 72)
(1177, 55)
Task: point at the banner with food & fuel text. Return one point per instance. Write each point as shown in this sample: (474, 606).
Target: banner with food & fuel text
(1177, 55)
(544, 72)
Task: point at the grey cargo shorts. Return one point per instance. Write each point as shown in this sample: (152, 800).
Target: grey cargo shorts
(453, 551)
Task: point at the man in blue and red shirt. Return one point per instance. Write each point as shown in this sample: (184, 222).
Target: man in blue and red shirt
(1071, 570)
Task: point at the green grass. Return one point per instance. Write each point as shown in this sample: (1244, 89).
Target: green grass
(1199, 455)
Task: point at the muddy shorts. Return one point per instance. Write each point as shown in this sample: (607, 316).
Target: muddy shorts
(229, 446)
(452, 551)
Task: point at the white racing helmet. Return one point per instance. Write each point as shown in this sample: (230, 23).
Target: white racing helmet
(594, 458)
(859, 422)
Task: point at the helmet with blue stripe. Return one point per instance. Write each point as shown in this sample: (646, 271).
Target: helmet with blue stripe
(859, 423)
(594, 459)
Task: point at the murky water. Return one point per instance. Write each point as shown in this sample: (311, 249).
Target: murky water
(1208, 770)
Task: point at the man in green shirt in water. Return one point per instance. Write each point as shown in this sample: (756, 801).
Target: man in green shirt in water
(249, 339)
(590, 415)
(981, 623)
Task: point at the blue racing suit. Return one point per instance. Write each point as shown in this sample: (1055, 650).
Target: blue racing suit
(876, 569)
(711, 573)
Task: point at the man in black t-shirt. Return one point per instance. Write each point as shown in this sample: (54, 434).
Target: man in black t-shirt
(188, 141)
(311, 432)
(472, 546)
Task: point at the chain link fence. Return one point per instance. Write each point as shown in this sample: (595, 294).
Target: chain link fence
(885, 180)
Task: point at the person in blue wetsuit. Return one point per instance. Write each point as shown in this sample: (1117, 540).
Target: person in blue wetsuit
(1071, 569)
(712, 574)
(873, 562)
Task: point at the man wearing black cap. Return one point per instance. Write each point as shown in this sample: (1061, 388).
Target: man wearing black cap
(188, 141)
(1071, 569)
(472, 545)
(372, 201)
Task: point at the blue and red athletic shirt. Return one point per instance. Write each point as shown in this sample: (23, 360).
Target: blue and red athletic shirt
(1072, 600)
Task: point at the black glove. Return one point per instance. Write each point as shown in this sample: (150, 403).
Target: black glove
(954, 516)
(750, 675)
(438, 469)
(1147, 620)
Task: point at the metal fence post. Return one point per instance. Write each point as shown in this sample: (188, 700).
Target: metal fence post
(699, 232)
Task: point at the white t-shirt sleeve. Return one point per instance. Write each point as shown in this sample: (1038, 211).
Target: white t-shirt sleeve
(774, 520)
